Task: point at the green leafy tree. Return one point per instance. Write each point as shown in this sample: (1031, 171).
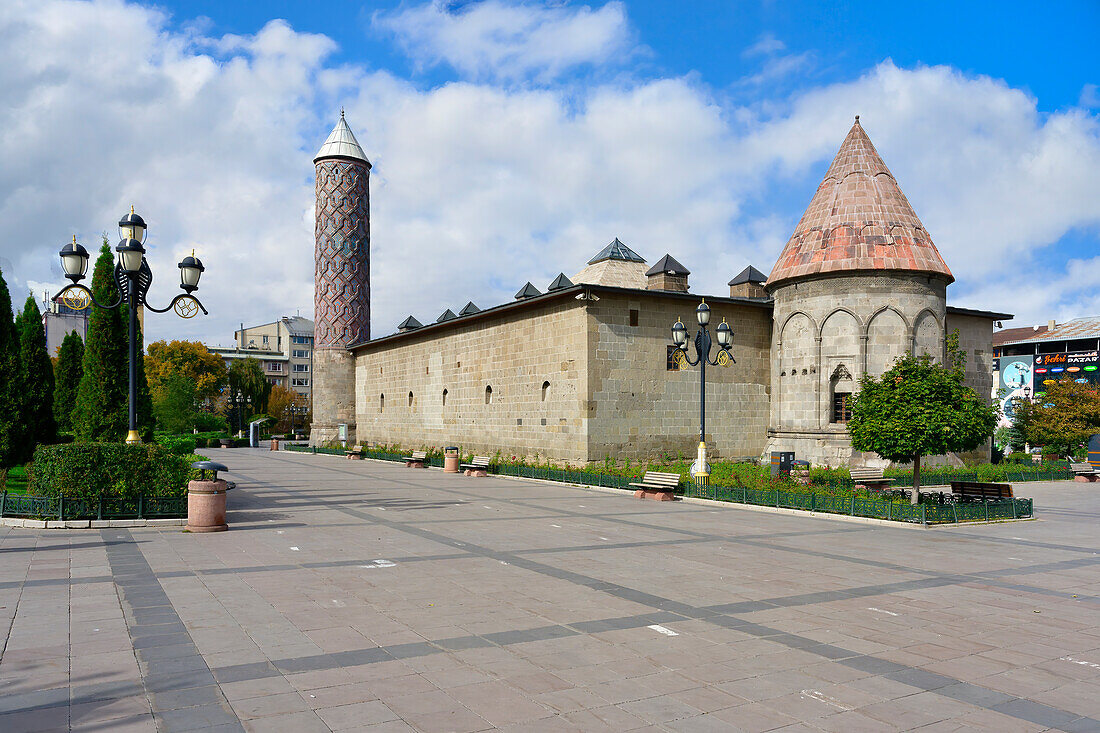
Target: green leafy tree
(190, 358)
(100, 413)
(920, 408)
(36, 411)
(142, 394)
(246, 378)
(1063, 419)
(102, 405)
(11, 388)
(174, 403)
(70, 365)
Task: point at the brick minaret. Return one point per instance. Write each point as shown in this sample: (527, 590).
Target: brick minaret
(341, 280)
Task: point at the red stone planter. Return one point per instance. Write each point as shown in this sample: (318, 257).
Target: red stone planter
(206, 506)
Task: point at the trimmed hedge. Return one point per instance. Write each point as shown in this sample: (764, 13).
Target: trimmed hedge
(91, 470)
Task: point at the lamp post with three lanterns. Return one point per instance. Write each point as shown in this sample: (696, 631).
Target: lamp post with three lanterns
(133, 278)
(700, 470)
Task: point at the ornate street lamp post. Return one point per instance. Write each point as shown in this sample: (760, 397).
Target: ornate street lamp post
(700, 470)
(133, 277)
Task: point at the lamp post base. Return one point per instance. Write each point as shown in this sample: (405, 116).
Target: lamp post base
(132, 438)
(700, 470)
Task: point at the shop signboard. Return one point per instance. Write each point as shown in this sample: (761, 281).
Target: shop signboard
(1081, 366)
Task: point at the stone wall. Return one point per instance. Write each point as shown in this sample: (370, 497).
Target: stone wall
(333, 396)
(513, 382)
(828, 333)
(638, 409)
(976, 339)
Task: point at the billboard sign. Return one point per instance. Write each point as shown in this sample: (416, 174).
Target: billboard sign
(1016, 373)
(1081, 366)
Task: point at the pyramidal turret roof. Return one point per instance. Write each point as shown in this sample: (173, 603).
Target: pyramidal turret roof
(341, 143)
(668, 264)
(858, 220)
(616, 251)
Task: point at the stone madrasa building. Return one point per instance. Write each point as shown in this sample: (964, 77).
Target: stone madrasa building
(584, 370)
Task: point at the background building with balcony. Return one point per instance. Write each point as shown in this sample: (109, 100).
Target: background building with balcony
(284, 349)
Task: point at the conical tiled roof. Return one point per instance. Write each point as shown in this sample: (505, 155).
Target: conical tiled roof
(858, 220)
(341, 143)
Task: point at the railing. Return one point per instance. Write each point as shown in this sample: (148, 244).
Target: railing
(856, 506)
(853, 506)
(105, 507)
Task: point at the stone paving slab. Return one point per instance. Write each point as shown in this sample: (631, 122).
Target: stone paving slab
(364, 596)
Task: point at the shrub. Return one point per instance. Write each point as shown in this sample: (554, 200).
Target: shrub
(208, 422)
(180, 445)
(91, 470)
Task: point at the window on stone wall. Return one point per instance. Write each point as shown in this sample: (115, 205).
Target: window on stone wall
(381, 402)
(633, 316)
(444, 398)
(410, 399)
(842, 407)
(545, 390)
(488, 394)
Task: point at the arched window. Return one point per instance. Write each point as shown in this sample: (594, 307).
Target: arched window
(488, 394)
(444, 398)
(410, 399)
(545, 390)
(381, 402)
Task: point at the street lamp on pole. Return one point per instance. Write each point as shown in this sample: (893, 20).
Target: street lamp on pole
(700, 470)
(133, 278)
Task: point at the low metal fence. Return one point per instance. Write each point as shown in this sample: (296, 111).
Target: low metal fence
(105, 507)
(854, 506)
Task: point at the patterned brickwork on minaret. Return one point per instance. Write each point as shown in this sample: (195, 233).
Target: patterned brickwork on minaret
(341, 280)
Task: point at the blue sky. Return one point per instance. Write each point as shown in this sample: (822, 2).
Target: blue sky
(512, 140)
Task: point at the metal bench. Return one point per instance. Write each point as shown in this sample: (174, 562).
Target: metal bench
(1084, 472)
(866, 477)
(658, 486)
(971, 490)
(479, 466)
(418, 459)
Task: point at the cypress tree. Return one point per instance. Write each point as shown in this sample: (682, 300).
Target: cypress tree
(143, 398)
(70, 365)
(37, 375)
(100, 413)
(11, 435)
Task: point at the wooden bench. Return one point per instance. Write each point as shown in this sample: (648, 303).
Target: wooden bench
(658, 486)
(869, 478)
(419, 459)
(1084, 472)
(355, 453)
(967, 490)
(479, 466)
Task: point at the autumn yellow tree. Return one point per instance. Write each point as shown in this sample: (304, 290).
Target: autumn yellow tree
(188, 358)
(287, 408)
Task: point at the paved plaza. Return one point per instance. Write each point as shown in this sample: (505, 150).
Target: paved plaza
(363, 595)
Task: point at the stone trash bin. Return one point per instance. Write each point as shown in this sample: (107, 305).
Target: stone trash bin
(206, 499)
(451, 459)
(274, 444)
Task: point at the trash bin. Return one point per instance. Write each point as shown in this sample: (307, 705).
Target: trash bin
(274, 444)
(206, 499)
(451, 459)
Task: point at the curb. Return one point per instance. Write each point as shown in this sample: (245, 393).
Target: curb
(89, 523)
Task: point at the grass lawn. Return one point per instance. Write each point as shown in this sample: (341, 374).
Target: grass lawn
(17, 480)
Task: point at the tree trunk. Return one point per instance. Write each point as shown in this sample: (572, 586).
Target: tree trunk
(916, 480)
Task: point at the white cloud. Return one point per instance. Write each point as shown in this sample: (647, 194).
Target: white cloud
(767, 45)
(477, 188)
(505, 39)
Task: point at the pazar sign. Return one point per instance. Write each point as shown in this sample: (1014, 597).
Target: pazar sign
(1082, 366)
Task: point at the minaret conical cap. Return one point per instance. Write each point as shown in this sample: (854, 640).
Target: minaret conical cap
(341, 143)
(858, 220)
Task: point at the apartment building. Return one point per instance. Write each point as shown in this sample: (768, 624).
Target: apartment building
(284, 349)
